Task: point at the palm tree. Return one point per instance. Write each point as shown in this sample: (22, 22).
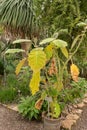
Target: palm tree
(18, 17)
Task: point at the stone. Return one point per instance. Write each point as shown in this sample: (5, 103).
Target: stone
(13, 107)
(65, 112)
(85, 95)
(67, 124)
(75, 106)
(70, 108)
(72, 117)
(85, 100)
(81, 105)
(77, 111)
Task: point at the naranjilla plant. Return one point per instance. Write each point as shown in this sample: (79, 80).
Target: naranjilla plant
(54, 52)
(37, 60)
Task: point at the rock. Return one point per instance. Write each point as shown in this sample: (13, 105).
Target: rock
(85, 95)
(75, 106)
(67, 124)
(72, 117)
(70, 108)
(65, 112)
(13, 107)
(85, 100)
(81, 105)
(77, 111)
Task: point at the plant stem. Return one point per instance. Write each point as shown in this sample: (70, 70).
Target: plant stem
(72, 54)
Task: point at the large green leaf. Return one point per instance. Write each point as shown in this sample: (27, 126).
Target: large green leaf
(21, 41)
(14, 51)
(37, 59)
(47, 40)
(59, 43)
(81, 24)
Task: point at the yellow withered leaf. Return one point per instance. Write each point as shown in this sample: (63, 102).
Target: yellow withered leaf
(75, 78)
(34, 83)
(38, 104)
(74, 70)
(49, 51)
(19, 66)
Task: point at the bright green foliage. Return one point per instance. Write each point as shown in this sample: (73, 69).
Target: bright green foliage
(47, 40)
(55, 109)
(14, 51)
(50, 95)
(21, 41)
(27, 108)
(59, 43)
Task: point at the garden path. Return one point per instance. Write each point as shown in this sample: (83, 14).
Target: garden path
(82, 122)
(11, 120)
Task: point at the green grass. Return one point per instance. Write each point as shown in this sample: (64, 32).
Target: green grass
(7, 95)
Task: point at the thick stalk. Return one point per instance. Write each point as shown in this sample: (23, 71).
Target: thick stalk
(72, 54)
(58, 65)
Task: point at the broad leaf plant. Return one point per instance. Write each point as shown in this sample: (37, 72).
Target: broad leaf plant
(38, 59)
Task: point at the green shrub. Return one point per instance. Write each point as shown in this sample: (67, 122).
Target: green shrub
(7, 95)
(76, 90)
(23, 82)
(27, 108)
(21, 85)
(79, 88)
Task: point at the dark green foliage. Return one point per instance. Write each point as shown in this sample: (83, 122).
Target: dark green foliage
(1, 67)
(81, 58)
(83, 8)
(14, 88)
(60, 14)
(21, 85)
(7, 95)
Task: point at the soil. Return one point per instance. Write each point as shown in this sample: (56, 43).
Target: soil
(11, 120)
(82, 122)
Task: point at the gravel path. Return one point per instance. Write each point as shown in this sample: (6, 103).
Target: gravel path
(82, 122)
(10, 120)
